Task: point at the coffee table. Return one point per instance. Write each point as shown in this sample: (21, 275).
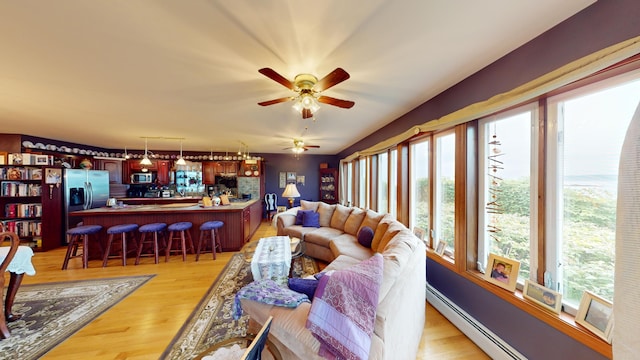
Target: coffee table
(272, 259)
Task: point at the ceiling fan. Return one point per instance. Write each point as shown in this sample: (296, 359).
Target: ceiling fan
(308, 89)
(299, 146)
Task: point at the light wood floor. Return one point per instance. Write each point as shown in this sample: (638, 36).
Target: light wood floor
(142, 325)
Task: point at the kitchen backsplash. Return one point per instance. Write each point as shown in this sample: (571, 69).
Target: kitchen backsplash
(249, 185)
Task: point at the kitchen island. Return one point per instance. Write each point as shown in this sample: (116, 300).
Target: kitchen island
(241, 218)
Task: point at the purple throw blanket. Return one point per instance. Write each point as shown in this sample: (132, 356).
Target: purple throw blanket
(343, 311)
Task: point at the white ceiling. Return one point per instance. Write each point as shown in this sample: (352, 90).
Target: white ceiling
(108, 72)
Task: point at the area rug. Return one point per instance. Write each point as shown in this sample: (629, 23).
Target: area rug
(212, 320)
(52, 312)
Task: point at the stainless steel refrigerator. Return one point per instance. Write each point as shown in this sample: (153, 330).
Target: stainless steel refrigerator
(83, 190)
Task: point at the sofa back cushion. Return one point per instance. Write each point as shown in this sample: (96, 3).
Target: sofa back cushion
(309, 205)
(340, 216)
(326, 212)
(353, 221)
(393, 229)
(371, 219)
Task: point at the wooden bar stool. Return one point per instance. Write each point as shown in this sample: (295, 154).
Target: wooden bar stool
(180, 228)
(122, 230)
(155, 228)
(210, 229)
(73, 239)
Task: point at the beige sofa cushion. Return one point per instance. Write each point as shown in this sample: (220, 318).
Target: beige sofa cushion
(371, 219)
(353, 221)
(340, 216)
(309, 205)
(326, 212)
(346, 244)
(322, 236)
(394, 228)
(380, 230)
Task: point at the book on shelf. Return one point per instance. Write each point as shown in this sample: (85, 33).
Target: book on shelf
(20, 173)
(24, 228)
(19, 210)
(15, 188)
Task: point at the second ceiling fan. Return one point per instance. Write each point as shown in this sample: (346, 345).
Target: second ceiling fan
(308, 88)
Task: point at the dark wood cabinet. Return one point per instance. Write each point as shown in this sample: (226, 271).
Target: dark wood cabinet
(329, 185)
(161, 168)
(31, 208)
(114, 167)
(211, 169)
(164, 167)
(250, 168)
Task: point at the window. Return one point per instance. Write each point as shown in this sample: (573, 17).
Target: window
(419, 199)
(393, 182)
(444, 190)
(346, 183)
(507, 204)
(587, 129)
(383, 182)
(363, 182)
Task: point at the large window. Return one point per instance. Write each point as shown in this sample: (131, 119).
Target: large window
(587, 129)
(419, 200)
(383, 182)
(363, 182)
(444, 189)
(507, 150)
(393, 182)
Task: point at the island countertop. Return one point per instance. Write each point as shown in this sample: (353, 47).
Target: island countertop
(241, 218)
(172, 207)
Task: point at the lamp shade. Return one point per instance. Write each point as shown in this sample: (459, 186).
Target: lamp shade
(291, 191)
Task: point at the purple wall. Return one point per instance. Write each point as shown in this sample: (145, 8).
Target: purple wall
(307, 165)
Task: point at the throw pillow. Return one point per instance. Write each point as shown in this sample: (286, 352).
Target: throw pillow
(354, 220)
(311, 219)
(300, 215)
(304, 286)
(309, 205)
(365, 236)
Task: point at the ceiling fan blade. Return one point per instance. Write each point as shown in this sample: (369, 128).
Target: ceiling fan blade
(271, 74)
(306, 113)
(312, 146)
(336, 102)
(335, 77)
(276, 101)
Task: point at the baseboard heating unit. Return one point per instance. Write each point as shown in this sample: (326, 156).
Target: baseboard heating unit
(486, 340)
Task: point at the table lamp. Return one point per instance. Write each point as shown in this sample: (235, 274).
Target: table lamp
(291, 192)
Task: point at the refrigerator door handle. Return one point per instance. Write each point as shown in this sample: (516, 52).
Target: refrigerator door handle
(87, 203)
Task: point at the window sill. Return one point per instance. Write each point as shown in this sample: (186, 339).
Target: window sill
(562, 322)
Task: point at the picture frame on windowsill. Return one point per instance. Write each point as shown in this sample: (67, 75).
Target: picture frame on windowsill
(542, 296)
(596, 314)
(502, 271)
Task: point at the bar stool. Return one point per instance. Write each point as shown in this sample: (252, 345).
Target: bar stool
(210, 229)
(73, 238)
(180, 228)
(155, 228)
(121, 230)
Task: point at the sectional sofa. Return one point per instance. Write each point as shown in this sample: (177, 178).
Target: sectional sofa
(400, 313)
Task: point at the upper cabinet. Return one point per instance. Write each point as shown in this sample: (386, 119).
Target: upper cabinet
(160, 168)
(250, 168)
(114, 167)
(211, 169)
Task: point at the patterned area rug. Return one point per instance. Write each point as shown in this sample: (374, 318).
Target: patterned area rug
(54, 311)
(212, 320)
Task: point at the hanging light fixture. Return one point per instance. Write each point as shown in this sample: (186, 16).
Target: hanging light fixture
(126, 155)
(180, 160)
(306, 101)
(145, 160)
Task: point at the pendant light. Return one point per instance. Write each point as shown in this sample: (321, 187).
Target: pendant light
(145, 160)
(180, 160)
(126, 155)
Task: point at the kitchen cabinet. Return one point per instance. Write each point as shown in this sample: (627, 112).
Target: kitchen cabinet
(29, 207)
(250, 168)
(211, 169)
(164, 167)
(329, 185)
(114, 167)
(160, 168)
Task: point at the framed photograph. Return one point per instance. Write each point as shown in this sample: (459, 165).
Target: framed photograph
(53, 176)
(41, 160)
(420, 233)
(596, 314)
(502, 271)
(3, 158)
(283, 179)
(282, 209)
(442, 245)
(542, 296)
(291, 177)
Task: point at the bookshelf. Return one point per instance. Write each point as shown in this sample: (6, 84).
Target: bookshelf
(30, 208)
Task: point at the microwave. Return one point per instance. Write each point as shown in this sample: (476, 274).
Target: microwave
(141, 178)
